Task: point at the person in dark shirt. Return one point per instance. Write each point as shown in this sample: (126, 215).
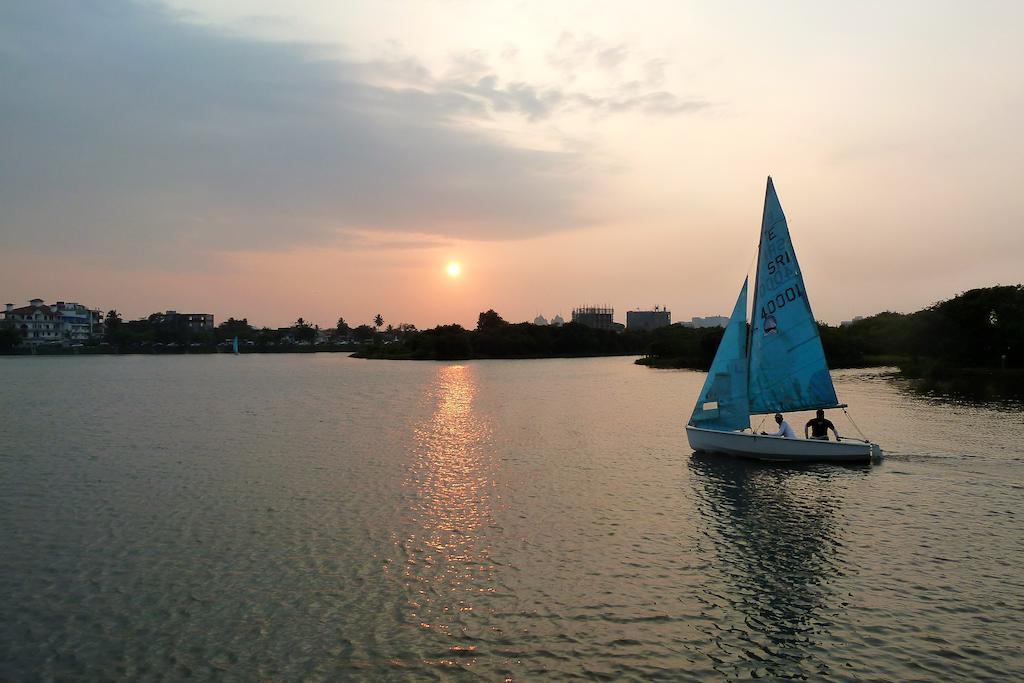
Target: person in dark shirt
(819, 427)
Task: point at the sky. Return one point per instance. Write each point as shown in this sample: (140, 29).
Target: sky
(325, 159)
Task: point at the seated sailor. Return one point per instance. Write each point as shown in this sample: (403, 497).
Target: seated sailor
(785, 431)
(819, 427)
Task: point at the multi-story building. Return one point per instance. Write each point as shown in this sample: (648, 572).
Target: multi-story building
(195, 322)
(80, 323)
(648, 320)
(710, 321)
(599, 317)
(63, 322)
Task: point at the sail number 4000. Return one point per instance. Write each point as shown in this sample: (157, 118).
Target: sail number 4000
(781, 299)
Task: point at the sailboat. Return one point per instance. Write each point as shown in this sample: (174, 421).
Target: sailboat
(776, 365)
(234, 346)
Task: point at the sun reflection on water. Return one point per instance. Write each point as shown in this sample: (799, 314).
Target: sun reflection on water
(452, 495)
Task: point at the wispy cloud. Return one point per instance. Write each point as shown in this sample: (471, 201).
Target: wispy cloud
(129, 133)
(472, 87)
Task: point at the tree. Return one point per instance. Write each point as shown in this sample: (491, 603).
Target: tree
(342, 328)
(303, 331)
(116, 332)
(378, 321)
(232, 328)
(9, 337)
(977, 328)
(111, 322)
(268, 337)
(490, 320)
(363, 333)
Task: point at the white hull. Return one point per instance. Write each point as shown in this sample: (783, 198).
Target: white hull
(778, 449)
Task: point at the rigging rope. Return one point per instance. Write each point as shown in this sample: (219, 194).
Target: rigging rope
(850, 418)
(762, 423)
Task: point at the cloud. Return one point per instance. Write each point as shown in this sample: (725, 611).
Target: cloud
(377, 241)
(571, 54)
(472, 88)
(130, 134)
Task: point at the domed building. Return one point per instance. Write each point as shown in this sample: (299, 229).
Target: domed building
(540, 320)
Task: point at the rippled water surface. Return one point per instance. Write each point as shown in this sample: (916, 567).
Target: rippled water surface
(281, 517)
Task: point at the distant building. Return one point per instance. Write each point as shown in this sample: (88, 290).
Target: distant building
(558, 321)
(540, 320)
(856, 318)
(195, 322)
(80, 323)
(648, 320)
(61, 323)
(599, 317)
(710, 322)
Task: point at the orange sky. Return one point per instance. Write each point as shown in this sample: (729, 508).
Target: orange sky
(238, 159)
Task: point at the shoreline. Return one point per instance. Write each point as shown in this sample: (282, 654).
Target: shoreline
(906, 368)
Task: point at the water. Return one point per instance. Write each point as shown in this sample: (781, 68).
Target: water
(274, 517)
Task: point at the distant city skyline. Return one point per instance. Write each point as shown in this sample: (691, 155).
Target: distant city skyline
(253, 160)
(539, 319)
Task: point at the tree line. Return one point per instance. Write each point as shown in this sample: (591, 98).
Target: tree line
(160, 333)
(982, 328)
(494, 337)
(979, 329)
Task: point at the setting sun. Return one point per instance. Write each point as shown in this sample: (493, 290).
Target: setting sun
(454, 269)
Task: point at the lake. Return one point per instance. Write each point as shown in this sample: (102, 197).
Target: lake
(276, 517)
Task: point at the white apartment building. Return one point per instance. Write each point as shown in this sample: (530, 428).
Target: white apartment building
(62, 323)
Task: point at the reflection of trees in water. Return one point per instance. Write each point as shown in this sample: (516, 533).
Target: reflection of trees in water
(997, 392)
(777, 541)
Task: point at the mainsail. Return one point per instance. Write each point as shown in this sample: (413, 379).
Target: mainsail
(787, 362)
(723, 400)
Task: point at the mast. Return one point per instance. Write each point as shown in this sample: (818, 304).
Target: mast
(757, 273)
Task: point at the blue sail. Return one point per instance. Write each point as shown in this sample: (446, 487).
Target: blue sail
(787, 362)
(234, 346)
(723, 400)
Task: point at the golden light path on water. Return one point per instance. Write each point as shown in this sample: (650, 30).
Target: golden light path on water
(448, 561)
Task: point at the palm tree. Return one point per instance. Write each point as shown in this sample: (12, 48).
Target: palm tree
(111, 321)
(378, 321)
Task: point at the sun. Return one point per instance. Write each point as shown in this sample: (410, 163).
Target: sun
(454, 269)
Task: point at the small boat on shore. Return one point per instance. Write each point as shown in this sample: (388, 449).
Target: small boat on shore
(776, 364)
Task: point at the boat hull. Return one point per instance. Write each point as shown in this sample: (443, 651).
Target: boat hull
(778, 449)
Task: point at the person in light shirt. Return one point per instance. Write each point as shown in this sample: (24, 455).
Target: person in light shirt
(785, 431)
